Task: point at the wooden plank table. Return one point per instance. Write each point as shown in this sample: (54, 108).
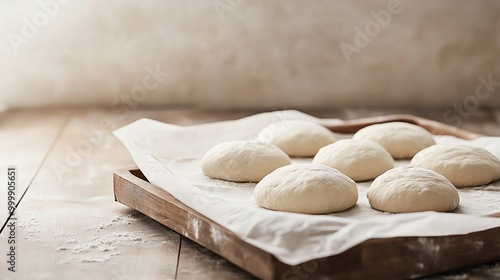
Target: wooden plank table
(68, 223)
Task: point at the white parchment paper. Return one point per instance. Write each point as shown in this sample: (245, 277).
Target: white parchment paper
(169, 156)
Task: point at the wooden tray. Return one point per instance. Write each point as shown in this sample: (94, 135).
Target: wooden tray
(401, 257)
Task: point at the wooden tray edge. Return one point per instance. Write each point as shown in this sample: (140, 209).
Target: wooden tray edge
(132, 190)
(266, 266)
(379, 258)
(436, 128)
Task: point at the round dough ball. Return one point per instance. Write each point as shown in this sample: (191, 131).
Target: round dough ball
(297, 138)
(243, 161)
(401, 140)
(306, 188)
(463, 165)
(361, 160)
(412, 189)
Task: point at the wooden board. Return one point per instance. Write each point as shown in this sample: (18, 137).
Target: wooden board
(434, 127)
(402, 257)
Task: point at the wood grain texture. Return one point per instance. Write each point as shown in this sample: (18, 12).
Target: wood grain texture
(71, 226)
(167, 210)
(390, 258)
(89, 240)
(18, 130)
(480, 122)
(62, 216)
(197, 262)
(437, 128)
(71, 198)
(401, 258)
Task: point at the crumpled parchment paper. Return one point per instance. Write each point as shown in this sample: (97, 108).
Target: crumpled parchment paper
(169, 156)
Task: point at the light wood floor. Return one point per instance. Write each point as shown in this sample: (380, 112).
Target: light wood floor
(70, 227)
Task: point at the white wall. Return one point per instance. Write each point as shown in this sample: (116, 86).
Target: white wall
(262, 53)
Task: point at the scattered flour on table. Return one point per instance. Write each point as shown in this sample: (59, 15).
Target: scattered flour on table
(116, 220)
(103, 259)
(100, 246)
(31, 228)
(109, 242)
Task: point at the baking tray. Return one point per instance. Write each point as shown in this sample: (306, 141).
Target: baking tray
(381, 258)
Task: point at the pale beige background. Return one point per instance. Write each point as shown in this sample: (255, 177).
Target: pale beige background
(262, 53)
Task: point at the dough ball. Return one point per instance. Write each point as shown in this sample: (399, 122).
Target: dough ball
(361, 160)
(243, 161)
(297, 138)
(401, 140)
(463, 165)
(306, 188)
(412, 189)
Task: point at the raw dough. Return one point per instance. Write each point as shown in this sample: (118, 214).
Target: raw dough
(463, 165)
(361, 160)
(306, 188)
(401, 140)
(243, 161)
(412, 189)
(297, 138)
